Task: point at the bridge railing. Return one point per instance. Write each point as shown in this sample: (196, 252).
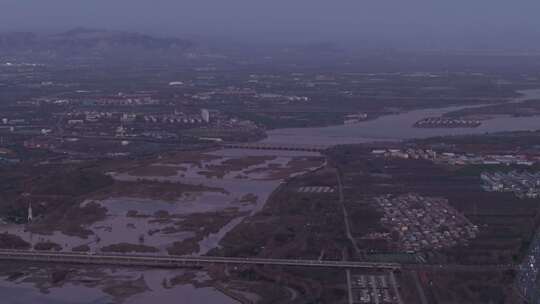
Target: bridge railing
(164, 260)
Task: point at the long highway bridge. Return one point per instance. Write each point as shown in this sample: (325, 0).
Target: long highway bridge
(189, 261)
(176, 261)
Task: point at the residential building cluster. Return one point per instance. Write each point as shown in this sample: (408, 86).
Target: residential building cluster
(176, 117)
(316, 189)
(522, 184)
(250, 95)
(458, 158)
(442, 122)
(424, 223)
(278, 97)
(121, 100)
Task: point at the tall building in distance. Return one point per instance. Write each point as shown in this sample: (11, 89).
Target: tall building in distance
(205, 115)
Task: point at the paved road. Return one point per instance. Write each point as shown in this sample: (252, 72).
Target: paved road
(395, 287)
(346, 215)
(458, 267)
(419, 288)
(349, 286)
(172, 261)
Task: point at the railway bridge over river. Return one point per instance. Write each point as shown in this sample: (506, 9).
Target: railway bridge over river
(190, 261)
(176, 261)
(277, 146)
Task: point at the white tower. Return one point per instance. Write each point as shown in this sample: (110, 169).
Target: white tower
(30, 215)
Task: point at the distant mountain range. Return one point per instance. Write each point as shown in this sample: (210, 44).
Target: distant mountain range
(81, 42)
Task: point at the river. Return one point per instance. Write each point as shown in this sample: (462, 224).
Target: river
(400, 127)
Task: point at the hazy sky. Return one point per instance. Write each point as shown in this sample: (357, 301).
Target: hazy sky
(400, 21)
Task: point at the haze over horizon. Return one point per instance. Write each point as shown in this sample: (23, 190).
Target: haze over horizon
(410, 24)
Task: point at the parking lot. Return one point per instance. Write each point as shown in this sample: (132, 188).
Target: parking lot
(374, 288)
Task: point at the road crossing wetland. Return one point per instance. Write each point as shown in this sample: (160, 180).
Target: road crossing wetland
(171, 205)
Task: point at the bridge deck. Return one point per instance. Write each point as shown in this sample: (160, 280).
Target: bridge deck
(277, 146)
(172, 261)
(183, 261)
